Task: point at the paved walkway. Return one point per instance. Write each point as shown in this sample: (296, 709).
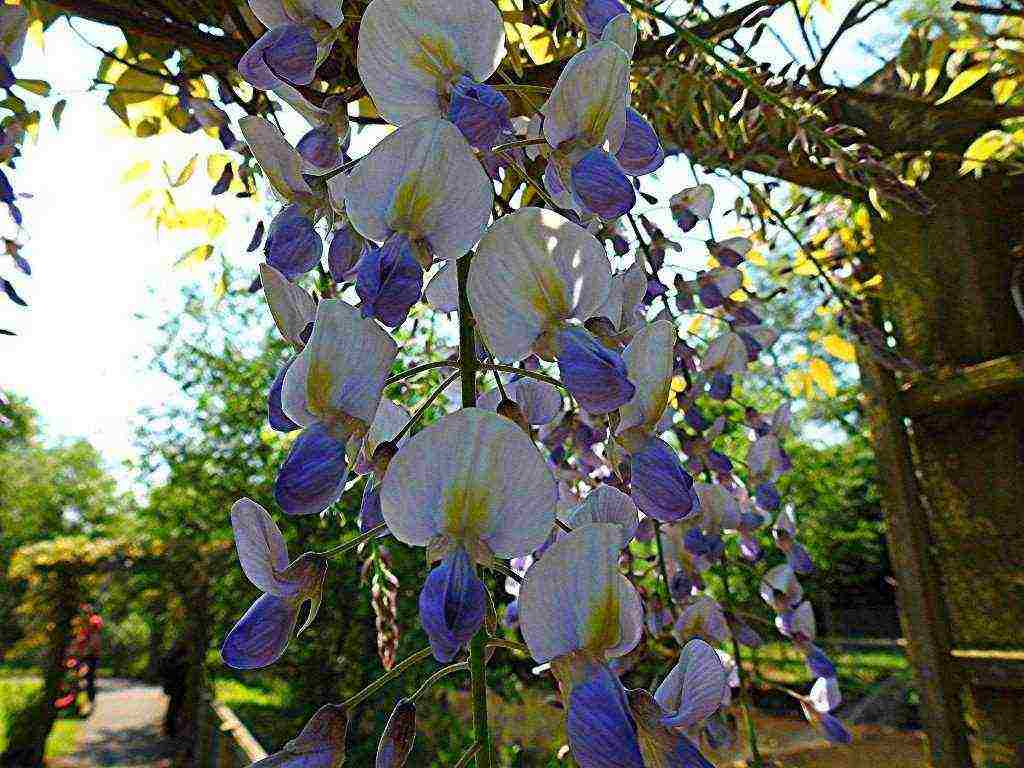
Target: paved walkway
(124, 729)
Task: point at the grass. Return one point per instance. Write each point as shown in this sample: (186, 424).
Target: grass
(264, 708)
(15, 693)
(859, 669)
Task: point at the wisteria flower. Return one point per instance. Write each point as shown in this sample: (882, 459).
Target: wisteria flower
(469, 488)
(606, 504)
(730, 252)
(421, 193)
(332, 390)
(538, 402)
(280, 162)
(781, 589)
(293, 245)
(320, 743)
(784, 532)
(298, 38)
(817, 707)
(428, 58)
(261, 636)
(535, 275)
(323, 146)
(692, 205)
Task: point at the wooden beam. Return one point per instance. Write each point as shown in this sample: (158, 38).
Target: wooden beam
(949, 389)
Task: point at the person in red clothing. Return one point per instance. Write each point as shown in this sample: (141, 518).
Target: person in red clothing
(89, 644)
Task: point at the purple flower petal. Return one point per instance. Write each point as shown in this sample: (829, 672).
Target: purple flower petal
(600, 730)
(721, 386)
(398, 737)
(313, 476)
(370, 514)
(262, 634)
(480, 112)
(279, 421)
(320, 147)
(291, 54)
(600, 186)
(834, 729)
(595, 375)
(660, 486)
(597, 13)
(390, 281)
(343, 253)
(641, 152)
(293, 246)
(767, 498)
(819, 664)
(452, 605)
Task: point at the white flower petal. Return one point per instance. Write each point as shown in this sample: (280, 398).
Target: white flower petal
(422, 180)
(540, 402)
(13, 28)
(410, 51)
(574, 598)
(588, 103)
(726, 353)
(279, 160)
(698, 200)
(442, 291)
(695, 687)
(825, 695)
(627, 291)
(387, 422)
(261, 547)
(291, 307)
(271, 13)
(649, 359)
(534, 269)
(606, 504)
(621, 30)
(341, 371)
(471, 476)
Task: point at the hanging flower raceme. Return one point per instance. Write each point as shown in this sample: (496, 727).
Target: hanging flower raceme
(332, 390)
(470, 487)
(422, 58)
(423, 195)
(596, 141)
(659, 485)
(299, 36)
(784, 531)
(261, 636)
(320, 743)
(533, 277)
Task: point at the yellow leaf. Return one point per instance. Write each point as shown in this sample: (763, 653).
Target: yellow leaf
(538, 41)
(220, 289)
(136, 172)
(695, 324)
(756, 257)
(963, 81)
(983, 149)
(1003, 89)
(215, 165)
(35, 33)
(803, 6)
(804, 266)
(839, 347)
(515, 60)
(185, 174)
(366, 108)
(936, 58)
(195, 257)
(142, 198)
(822, 375)
(826, 4)
(216, 224)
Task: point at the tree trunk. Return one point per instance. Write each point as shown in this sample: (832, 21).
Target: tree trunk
(951, 445)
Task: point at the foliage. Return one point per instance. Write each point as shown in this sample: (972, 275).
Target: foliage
(15, 694)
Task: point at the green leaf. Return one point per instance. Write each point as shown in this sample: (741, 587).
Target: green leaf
(58, 111)
(39, 87)
(963, 81)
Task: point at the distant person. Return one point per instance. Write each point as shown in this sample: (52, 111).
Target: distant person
(89, 645)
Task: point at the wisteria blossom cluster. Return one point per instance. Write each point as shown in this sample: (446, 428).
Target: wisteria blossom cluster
(592, 445)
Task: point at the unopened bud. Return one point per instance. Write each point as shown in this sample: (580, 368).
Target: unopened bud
(398, 737)
(382, 456)
(510, 410)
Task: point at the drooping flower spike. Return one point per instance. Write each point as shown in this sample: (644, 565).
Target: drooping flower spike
(585, 125)
(279, 160)
(298, 38)
(421, 193)
(320, 743)
(430, 58)
(332, 390)
(469, 488)
(261, 636)
(577, 611)
(533, 277)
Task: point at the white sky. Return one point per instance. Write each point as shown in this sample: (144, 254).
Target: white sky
(103, 279)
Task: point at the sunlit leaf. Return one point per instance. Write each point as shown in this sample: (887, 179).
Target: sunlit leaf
(963, 81)
(1003, 89)
(136, 172)
(142, 198)
(39, 87)
(839, 347)
(982, 150)
(936, 58)
(58, 111)
(184, 174)
(822, 375)
(115, 102)
(196, 257)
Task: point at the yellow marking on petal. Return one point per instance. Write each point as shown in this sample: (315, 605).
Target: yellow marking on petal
(465, 509)
(409, 206)
(594, 123)
(318, 388)
(436, 57)
(603, 630)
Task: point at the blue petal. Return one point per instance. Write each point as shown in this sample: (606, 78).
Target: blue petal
(313, 476)
(261, 635)
(7, 78)
(595, 375)
(721, 386)
(343, 253)
(390, 281)
(597, 14)
(799, 560)
(685, 754)
(660, 486)
(718, 462)
(320, 147)
(600, 186)
(293, 246)
(452, 605)
(600, 730)
(819, 664)
(291, 54)
(370, 514)
(834, 729)
(681, 585)
(480, 112)
(767, 497)
(641, 152)
(279, 421)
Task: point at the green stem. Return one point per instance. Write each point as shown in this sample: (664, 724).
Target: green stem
(524, 372)
(423, 407)
(755, 753)
(477, 646)
(462, 666)
(664, 570)
(467, 756)
(408, 372)
(520, 143)
(353, 543)
(512, 645)
(387, 677)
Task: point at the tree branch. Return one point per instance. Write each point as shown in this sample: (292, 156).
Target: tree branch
(984, 10)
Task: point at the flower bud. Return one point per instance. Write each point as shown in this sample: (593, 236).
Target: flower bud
(480, 112)
(293, 246)
(390, 281)
(398, 737)
(510, 410)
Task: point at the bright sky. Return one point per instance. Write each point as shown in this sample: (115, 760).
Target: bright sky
(103, 279)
